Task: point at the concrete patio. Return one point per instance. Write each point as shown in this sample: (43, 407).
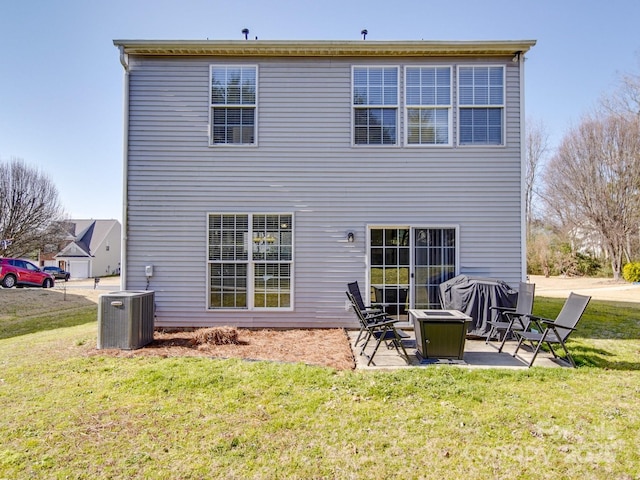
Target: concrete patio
(477, 354)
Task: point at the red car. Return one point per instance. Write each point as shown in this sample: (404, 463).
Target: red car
(17, 272)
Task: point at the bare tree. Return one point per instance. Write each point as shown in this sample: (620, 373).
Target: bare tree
(625, 99)
(593, 182)
(30, 212)
(537, 147)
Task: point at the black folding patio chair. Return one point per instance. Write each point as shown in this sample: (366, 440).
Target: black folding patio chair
(368, 311)
(513, 318)
(354, 289)
(381, 328)
(546, 331)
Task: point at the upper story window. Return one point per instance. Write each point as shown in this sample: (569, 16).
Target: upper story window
(375, 105)
(481, 105)
(233, 104)
(428, 105)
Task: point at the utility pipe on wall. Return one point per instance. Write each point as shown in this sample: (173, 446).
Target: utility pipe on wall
(124, 60)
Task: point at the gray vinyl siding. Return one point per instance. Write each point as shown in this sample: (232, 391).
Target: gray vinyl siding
(304, 163)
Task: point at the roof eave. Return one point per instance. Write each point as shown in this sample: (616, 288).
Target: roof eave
(260, 48)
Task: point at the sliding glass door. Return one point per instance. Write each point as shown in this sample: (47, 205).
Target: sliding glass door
(434, 262)
(407, 265)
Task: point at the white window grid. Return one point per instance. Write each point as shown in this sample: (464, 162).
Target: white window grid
(250, 259)
(481, 97)
(375, 104)
(233, 116)
(428, 105)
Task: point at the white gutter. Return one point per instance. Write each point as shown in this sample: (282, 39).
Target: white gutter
(124, 60)
(523, 170)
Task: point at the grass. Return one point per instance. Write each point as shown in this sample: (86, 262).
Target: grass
(68, 415)
(24, 311)
(608, 335)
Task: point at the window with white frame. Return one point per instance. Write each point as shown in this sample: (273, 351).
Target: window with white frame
(250, 261)
(233, 104)
(428, 105)
(481, 100)
(375, 105)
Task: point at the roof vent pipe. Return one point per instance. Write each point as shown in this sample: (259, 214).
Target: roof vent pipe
(364, 34)
(245, 32)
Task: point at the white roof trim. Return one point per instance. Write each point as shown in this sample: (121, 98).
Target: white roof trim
(362, 48)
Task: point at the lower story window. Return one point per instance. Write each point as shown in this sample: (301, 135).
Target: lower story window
(250, 261)
(272, 285)
(228, 285)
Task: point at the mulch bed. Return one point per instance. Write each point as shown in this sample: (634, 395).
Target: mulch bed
(323, 347)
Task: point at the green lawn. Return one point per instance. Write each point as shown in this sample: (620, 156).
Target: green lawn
(68, 415)
(608, 335)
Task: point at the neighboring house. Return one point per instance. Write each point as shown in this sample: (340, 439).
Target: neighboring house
(92, 249)
(587, 241)
(262, 176)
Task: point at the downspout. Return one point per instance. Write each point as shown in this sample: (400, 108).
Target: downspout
(124, 60)
(523, 167)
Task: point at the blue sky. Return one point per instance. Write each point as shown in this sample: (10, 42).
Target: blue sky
(61, 81)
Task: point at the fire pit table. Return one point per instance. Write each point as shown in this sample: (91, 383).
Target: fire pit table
(439, 333)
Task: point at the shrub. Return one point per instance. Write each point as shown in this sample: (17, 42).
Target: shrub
(631, 272)
(587, 265)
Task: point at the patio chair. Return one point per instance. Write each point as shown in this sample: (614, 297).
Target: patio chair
(544, 330)
(368, 311)
(379, 327)
(354, 289)
(364, 316)
(513, 318)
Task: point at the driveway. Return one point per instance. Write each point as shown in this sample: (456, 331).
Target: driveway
(87, 287)
(597, 288)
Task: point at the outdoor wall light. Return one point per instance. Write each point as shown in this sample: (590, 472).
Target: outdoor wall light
(351, 237)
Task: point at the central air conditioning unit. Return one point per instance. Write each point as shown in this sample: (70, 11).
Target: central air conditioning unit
(125, 319)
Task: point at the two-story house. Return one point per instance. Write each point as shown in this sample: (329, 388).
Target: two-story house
(92, 248)
(262, 176)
